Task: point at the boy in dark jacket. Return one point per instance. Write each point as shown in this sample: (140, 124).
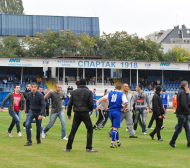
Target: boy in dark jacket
(182, 114)
(158, 113)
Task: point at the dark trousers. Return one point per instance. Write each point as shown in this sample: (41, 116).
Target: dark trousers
(101, 118)
(78, 118)
(47, 110)
(151, 121)
(106, 119)
(157, 128)
(31, 115)
(183, 121)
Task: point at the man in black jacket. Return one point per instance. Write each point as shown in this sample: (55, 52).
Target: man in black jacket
(158, 113)
(82, 100)
(182, 114)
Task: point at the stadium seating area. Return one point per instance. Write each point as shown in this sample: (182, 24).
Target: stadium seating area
(10, 85)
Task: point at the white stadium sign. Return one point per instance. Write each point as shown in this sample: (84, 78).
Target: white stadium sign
(81, 63)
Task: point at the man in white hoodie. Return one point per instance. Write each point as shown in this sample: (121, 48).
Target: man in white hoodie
(127, 114)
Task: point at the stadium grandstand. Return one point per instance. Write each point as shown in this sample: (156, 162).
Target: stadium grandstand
(100, 74)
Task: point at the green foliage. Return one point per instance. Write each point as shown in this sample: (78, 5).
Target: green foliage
(11, 47)
(11, 7)
(182, 54)
(123, 46)
(170, 56)
(120, 46)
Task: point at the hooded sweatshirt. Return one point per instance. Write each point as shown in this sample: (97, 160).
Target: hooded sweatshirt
(141, 100)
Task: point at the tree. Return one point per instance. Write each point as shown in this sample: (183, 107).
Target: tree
(122, 46)
(11, 7)
(182, 53)
(170, 56)
(11, 47)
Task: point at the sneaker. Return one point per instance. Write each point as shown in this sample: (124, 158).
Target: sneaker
(150, 128)
(66, 150)
(133, 136)
(94, 128)
(119, 144)
(43, 134)
(65, 138)
(152, 137)
(101, 126)
(98, 128)
(24, 127)
(127, 130)
(144, 133)
(162, 127)
(160, 139)
(172, 145)
(19, 134)
(113, 146)
(91, 150)
(38, 141)
(10, 135)
(28, 144)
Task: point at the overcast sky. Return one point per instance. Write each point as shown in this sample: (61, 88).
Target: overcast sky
(134, 16)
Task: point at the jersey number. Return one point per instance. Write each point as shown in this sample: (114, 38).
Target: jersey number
(114, 97)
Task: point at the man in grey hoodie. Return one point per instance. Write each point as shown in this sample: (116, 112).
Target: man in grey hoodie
(141, 101)
(127, 114)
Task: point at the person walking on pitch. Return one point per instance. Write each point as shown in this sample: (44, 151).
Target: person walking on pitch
(56, 111)
(35, 108)
(116, 99)
(82, 102)
(158, 113)
(16, 104)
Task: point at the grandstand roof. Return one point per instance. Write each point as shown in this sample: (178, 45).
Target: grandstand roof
(22, 25)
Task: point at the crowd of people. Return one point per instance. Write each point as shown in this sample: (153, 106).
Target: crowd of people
(117, 105)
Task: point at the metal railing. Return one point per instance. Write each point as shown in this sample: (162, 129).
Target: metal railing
(79, 52)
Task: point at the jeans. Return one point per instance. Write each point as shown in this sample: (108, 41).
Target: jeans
(41, 128)
(78, 118)
(137, 115)
(95, 52)
(183, 121)
(151, 121)
(33, 114)
(53, 118)
(15, 120)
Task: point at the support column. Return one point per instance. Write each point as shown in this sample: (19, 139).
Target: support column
(162, 77)
(53, 72)
(130, 77)
(58, 74)
(102, 77)
(137, 76)
(64, 78)
(77, 73)
(45, 70)
(96, 76)
(84, 73)
(21, 74)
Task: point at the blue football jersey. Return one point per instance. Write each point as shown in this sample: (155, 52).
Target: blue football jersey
(164, 97)
(66, 99)
(94, 97)
(115, 101)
